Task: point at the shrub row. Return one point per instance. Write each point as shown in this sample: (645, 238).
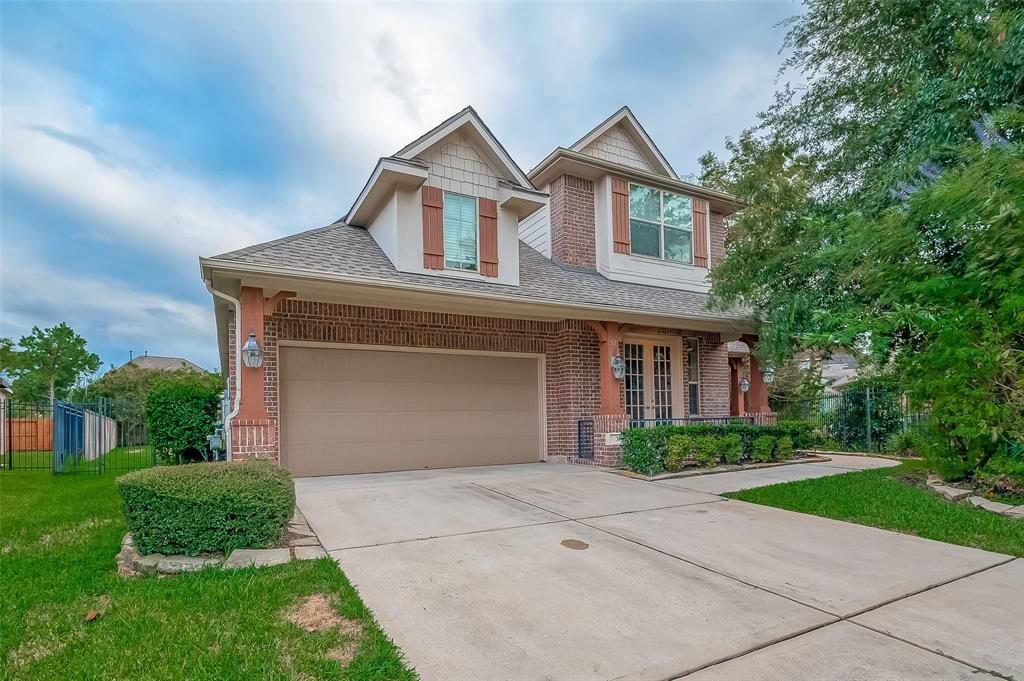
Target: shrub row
(207, 507)
(673, 447)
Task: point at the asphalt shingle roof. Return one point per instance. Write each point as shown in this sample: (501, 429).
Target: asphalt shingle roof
(340, 249)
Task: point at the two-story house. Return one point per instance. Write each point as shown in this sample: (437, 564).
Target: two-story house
(465, 312)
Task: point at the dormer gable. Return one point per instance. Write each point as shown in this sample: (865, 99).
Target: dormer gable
(621, 139)
(473, 134)
(448, 204)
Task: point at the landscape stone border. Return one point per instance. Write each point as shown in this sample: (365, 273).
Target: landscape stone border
(726, 468)
(936, 484)
(300, 543)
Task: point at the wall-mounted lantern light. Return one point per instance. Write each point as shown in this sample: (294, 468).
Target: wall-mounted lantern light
(618, 367)
(768, 374)
(252, 355)
(744, 384)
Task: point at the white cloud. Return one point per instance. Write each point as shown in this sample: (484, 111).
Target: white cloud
(108, 312)
(54, 145)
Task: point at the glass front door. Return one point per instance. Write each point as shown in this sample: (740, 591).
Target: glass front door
(648, 380)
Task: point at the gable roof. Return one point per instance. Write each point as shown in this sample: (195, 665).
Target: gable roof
(628, 121)
(343, 253)
(467, 117)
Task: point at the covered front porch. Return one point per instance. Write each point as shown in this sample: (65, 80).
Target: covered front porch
(658, 376)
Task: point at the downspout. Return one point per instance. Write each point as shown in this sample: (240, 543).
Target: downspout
(237, 397)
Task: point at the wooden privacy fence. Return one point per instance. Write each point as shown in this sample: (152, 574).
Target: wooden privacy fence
(30, 434)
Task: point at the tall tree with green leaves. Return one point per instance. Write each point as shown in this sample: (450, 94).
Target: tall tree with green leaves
(46, 363)
(883, 203)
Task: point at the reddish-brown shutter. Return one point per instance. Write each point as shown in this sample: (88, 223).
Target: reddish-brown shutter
(620, 215)
(700, 233)
(488, 228)
(433, 228)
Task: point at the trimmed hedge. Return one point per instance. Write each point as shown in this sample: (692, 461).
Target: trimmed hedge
(647, 450)
(207, 507)
(764, 448)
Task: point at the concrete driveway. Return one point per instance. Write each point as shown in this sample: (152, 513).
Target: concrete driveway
(552, 571)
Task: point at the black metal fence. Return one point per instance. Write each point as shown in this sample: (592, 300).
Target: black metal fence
(71, 438)
(858, 419)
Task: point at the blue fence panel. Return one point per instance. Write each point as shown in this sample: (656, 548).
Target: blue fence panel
(68, 433)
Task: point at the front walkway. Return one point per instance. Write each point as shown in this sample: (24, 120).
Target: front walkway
(544, 571)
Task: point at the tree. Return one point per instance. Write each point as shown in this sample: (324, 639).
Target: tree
(180, 413)
(48, 363)
(125, 389)
(882, 208)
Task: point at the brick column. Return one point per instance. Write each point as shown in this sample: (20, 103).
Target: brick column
(573, 228)
(607, 432)
(253, 432)
(757, 395)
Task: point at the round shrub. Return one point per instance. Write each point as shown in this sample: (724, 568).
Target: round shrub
(730, 448)
(207, 507)
(762, 449)
(707, 451)
(784, 448)
(680, 450)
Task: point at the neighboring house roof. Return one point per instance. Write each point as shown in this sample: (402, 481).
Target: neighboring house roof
(163, 363)
(5, 387)
(346, 253)
(630, 122)
(840, 370)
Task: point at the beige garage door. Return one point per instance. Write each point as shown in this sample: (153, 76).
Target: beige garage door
(362, 411)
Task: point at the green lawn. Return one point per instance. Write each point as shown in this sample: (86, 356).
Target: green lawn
(119, 459)
(883, 498)
(58, 539)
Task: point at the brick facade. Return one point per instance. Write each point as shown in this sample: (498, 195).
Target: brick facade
(573, 237)
(717, 239)
(570, 349)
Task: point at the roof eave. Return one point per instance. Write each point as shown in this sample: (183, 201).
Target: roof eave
(583, 164)
(549, 308)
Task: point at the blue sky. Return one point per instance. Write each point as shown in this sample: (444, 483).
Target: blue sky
(138, 137)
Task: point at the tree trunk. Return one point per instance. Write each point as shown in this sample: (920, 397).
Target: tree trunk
(52, 391)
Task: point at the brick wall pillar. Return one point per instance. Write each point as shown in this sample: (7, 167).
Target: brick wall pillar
(607, 432)
(573, 230)
(757, 395)
(253, 439)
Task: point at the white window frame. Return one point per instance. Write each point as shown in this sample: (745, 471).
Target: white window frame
(444, 226)
(693, 405)
(660, 224)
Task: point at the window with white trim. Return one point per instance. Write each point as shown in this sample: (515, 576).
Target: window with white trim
(460, 230)
(660, 224)
(693, 375)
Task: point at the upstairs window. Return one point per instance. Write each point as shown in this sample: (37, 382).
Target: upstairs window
(460, 230)
(660, 224)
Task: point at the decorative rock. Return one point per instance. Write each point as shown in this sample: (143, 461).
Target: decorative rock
(934, 480)
(952, 493)
(241, 558)
(174, 564)
(996, 506)
(978, 501)
(1015, 512)
(147, 565)
(304, 541)
(298, 518)
(309, 552)
(301, 531)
